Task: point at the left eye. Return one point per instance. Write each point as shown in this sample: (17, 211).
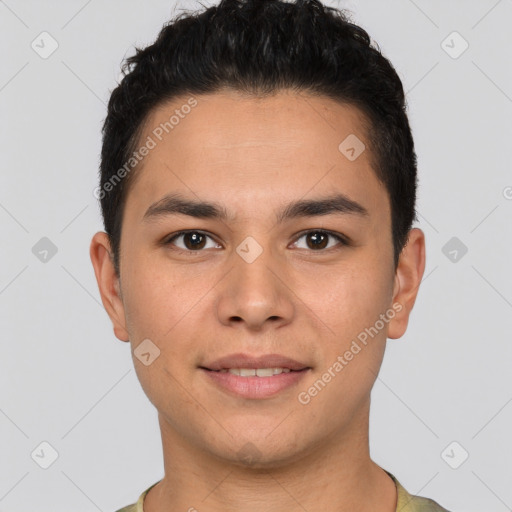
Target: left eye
(197, 240)
(319, 239)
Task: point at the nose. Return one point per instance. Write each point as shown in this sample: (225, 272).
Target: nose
(255, 294)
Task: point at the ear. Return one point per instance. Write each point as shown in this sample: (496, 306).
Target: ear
(409, 273)
(108, 283)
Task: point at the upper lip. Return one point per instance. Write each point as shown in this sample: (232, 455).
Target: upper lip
(248, 361)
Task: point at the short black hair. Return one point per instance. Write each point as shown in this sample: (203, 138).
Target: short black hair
(260, 47)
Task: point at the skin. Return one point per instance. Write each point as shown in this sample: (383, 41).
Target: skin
(254, 156)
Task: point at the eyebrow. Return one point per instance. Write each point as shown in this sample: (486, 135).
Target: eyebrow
(172, 204)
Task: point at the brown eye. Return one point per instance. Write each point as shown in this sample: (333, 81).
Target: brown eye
(191, 240)
(318, 239)
(194, 241)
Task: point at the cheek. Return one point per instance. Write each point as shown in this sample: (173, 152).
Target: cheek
(149, 301)
(163, 303)
(156, 311)
(354, 344)
(153, 295)
(349, 300)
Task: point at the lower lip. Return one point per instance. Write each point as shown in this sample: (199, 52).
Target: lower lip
(255, 387)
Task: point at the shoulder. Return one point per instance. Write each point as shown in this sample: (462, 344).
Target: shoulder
(128, 508)
(407, 502)
(138, 505)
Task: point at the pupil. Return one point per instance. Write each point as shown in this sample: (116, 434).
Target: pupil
(196, 239)
(316, 237)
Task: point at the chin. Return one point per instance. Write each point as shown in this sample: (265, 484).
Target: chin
(261, 452)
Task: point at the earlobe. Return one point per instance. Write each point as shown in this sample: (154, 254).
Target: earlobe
(108, 283)
(408, 276)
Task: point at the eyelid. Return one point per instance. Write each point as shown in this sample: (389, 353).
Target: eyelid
(341, 239)
(169, 239)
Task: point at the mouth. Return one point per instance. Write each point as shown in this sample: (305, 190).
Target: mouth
(255, 372)
(244, 362)
(250, 377)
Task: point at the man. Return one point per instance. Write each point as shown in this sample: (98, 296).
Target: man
(258, 186)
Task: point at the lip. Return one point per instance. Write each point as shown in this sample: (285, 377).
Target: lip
(254, 387)
(248, 361)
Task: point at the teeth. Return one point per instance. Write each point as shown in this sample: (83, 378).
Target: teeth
(260, 372)
(265, 372)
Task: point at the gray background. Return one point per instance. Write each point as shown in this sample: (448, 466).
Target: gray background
(65, 378)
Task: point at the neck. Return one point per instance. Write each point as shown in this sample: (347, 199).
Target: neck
(336, 474)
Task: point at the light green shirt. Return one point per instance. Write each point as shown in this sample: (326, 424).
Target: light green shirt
(406, 502)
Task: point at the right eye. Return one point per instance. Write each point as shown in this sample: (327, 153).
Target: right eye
(192, 240)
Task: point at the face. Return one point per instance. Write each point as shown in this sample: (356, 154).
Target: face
(292, 257)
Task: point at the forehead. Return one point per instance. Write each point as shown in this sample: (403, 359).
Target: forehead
(230, 120)
(242, 149)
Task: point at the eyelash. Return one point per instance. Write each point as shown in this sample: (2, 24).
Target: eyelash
(343, 241)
